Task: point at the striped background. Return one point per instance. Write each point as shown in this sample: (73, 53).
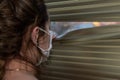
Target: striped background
(86, 54)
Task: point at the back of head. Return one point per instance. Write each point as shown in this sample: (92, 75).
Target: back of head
(15, 18)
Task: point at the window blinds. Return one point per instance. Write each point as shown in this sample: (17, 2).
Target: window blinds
(87, 54)
(84, 10)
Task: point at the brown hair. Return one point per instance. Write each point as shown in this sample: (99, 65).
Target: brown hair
(16, 16)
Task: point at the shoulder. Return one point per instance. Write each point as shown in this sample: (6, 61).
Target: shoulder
(20, 76)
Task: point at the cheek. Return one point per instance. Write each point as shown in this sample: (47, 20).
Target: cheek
(44, 43)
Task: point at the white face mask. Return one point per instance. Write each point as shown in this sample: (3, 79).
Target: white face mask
(45, 52)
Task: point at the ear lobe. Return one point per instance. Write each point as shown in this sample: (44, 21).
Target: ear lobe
(35, 34)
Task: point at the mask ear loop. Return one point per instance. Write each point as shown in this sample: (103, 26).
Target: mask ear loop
(45, 56)
(42, 51)
(37, 44)
(40, 61)
(50, 44)
(41, 56)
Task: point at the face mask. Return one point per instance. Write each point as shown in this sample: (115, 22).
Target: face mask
(45, 52)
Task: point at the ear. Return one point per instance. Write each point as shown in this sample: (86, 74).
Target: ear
(35, 35)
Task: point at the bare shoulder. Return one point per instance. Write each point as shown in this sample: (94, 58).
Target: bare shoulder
(20, 76)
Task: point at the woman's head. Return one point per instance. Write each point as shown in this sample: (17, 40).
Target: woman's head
(20, 24)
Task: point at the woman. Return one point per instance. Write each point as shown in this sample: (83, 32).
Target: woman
(25, 38)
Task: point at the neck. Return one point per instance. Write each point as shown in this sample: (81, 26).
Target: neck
(30, 52)
(20, 65)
